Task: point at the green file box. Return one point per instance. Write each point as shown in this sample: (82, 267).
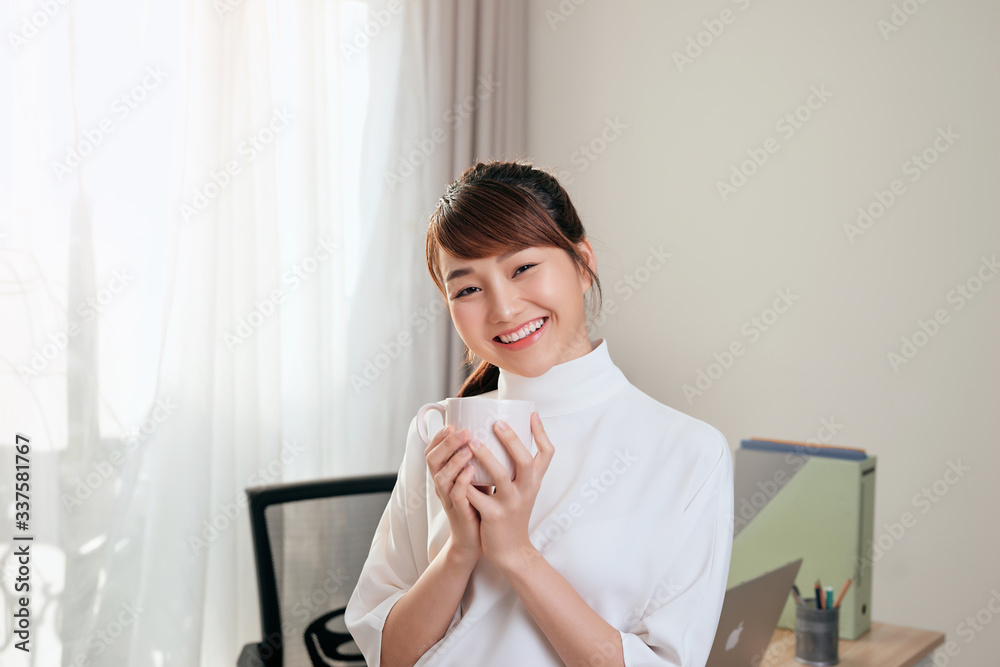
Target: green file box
(811, 507)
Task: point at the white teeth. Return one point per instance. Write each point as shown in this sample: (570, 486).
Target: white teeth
(528, 328)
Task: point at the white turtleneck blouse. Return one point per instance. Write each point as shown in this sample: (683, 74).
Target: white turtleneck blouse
(635, 512)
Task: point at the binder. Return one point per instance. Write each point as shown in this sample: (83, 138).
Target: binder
(805, 449)
(810, 503)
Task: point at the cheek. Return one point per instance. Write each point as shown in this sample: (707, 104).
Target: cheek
(561, 292)
(464, 318)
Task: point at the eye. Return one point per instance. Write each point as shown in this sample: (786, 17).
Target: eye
(464, 292)
(526, 266)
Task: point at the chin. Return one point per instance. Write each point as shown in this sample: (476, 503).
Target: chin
(527, 367)
(531, 371)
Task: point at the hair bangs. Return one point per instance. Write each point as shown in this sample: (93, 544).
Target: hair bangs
(488, 218)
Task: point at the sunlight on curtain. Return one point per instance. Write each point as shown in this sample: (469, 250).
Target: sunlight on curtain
(201, 261)
(354, 76)
(81, 264)
(91, 246)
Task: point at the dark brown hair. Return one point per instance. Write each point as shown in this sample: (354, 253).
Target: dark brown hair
(493, 208)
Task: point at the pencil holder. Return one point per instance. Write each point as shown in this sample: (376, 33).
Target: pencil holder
(817, 635)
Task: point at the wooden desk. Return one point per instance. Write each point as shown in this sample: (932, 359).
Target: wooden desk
(885, 646)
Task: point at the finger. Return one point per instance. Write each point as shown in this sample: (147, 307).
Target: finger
(446, 476)
(519, 454)
(501, 478)
(478, 499)
(542, 442)
(446, 448)
(436, 440)
(460, 489)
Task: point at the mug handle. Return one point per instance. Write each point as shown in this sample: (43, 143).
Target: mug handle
(422, 425)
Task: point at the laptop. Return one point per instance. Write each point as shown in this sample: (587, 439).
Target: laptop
(749, 616)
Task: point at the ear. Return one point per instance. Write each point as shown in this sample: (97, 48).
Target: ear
(587, 251)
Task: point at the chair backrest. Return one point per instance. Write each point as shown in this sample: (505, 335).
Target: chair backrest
(311, 540)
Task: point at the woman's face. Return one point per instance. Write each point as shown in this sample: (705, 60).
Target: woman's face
(508, 295)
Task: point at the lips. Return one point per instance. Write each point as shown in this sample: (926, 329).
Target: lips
(520, 333)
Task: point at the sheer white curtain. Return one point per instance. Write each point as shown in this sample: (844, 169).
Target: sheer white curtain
(211, 277)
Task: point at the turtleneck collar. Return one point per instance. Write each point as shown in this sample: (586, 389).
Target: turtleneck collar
(567, 387)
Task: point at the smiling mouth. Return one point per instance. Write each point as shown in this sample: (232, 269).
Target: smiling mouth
(523, 332)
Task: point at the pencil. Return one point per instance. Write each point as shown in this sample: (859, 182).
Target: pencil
(819, 595)
(847, 584)
(798, 596)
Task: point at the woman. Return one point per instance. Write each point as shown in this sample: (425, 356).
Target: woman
(611, 546)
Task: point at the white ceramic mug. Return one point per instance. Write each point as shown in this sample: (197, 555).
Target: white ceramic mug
(478, 414)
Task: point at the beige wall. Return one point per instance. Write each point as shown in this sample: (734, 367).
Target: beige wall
(604, 73)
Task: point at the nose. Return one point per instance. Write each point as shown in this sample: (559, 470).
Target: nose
(505, 303)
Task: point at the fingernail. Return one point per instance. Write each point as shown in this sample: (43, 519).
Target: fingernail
(501, 425)
(475, 444)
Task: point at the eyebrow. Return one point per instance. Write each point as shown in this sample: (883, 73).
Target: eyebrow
(465, 270)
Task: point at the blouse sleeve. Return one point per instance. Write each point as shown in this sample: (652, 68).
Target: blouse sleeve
(679, 624)
(393, 564)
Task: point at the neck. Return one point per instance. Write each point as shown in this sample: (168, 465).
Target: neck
(571, 386)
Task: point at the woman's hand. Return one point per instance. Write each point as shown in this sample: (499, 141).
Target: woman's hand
(450, 463)
(504, 514)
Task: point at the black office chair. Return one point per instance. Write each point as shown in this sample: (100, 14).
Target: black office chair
(310, 542)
